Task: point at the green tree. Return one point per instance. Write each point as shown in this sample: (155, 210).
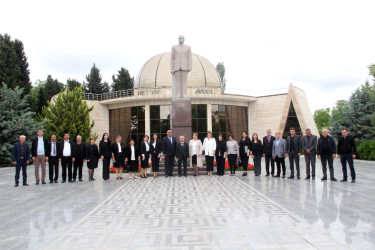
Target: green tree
(72, 84)
(338, 117)
(53, 87)
(43, 92)
(372, 70)
(221, 70)
(122, 81)
(34, 96)
(355, 114)
(68, 112)
(321, 117)
(15, 119)
(14, 68)
(94, 82)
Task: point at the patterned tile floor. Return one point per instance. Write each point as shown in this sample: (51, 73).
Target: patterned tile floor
(190, 213)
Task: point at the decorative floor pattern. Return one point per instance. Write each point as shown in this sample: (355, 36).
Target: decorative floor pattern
(191, 213)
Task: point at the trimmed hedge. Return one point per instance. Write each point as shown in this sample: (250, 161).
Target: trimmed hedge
(366, 150)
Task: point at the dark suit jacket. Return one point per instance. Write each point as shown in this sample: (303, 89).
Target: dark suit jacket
(182, 151)
(34, 147)
(83, 150)
(143, 149)
(243, 144)
(267, 147)
(309, 144)
(115, 149)
(92, 152)
(50, 150)
(61, 149)
(157, 149)
(105, 149)
(221, 146)
(169, 148)
(331, 145)
(257, 148)
(297, 143)
(128, 152)
(16, 154)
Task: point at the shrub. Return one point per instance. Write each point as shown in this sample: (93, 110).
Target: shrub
(366, 150)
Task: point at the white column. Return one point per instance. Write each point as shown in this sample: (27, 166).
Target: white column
(248, 120)
(209, 119)
(147, 120)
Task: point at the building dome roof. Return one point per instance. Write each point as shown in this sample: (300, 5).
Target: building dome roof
(156, 73)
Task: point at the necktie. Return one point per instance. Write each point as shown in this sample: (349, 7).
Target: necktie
(54, 149)
(269, 140)
(170, 138)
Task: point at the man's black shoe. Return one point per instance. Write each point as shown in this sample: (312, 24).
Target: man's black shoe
(343, 180)
(16, 185)
(333, 179)
(291, 177)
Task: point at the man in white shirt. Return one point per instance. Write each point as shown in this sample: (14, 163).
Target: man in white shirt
(66, 157)
(39, 152)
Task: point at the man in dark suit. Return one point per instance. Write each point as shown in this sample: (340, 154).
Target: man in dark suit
(309, 147)
(326, 152)
(53, 159)
(294, 149)
(80, 157)
(169, 150)
(267, 152)
(66, 157)
(39, 153)
(346, 152)
(279, 153)
(182, 153)
(20, 158)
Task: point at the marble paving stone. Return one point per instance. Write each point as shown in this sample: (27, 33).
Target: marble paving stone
(206, 223)
(190, 213)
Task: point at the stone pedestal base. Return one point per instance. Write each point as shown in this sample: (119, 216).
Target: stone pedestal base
(181, 118)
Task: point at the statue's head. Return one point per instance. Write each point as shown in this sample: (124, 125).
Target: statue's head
(181, 39)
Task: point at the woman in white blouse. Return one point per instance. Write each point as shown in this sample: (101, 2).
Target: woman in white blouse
(132, 158)
(209, 147)
(195, 152)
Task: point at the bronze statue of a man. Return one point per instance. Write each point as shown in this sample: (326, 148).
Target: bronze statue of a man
(181, 61)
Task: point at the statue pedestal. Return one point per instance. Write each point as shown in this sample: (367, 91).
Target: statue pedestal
(181, 118)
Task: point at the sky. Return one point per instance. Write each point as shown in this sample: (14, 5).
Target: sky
(322, 47)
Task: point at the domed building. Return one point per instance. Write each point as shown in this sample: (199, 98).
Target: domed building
(147, 108)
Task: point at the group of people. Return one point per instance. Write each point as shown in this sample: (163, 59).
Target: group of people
(67, 152)
(274, 149)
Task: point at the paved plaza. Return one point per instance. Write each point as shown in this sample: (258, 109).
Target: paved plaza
(190, 212)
